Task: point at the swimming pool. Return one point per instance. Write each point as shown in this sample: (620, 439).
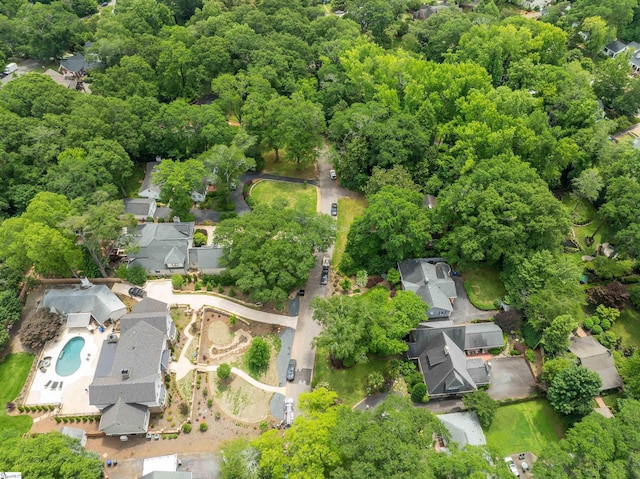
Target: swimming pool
(69, 360)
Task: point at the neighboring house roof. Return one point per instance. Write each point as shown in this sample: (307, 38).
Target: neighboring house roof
(444, 366)
(163, 467)
(96, 299)
(464, 428)
(78, 320)
(595, 357)
(148, 189)
(615, 46)
(161, 245)
(431, 280)
(205, 258)
(426, 11)
(139, 206)
(122, 418)
(78, 62)
(75, 433)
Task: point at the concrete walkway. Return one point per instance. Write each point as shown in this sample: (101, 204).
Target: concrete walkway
(250, 380)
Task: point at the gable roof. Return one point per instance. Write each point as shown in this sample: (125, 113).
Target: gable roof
(96, 299)
(467, 337)
(595, 357)
(431, 280)
(123, 418)
(139, 206)
(77, 63)
(147, 183)
(483, 336)
(464, 428)
(615, 46)
(162, 244)
(205, 258)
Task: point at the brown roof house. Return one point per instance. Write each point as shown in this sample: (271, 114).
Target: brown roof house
(128, 384)
(595, 357)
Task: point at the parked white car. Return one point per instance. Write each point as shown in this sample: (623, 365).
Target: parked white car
(512, 466)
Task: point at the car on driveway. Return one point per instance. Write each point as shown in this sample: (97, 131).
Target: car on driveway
(334, 209)
(324, 279)
(291, 369)
(138, 292)
(512, 466)
(332, 174)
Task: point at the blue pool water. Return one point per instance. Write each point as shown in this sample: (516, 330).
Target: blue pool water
(69, 360)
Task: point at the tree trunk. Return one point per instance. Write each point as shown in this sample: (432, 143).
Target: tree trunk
(275, 148)
(97, 261)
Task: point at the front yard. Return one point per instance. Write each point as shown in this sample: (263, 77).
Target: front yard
(628, 327)
(13, 374)
(350, 384)
(286, 168)
(525, 427)
(297, 195)
(484, 287)
(348, 210)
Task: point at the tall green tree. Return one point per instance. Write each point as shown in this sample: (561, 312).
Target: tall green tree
(177, 180)
(573, 389)
(555, 337)
(224, 165)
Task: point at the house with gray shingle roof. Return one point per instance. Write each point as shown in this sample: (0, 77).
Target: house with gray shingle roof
(167, 249)
(441, 353)
(140, 208)
(595, 357)
(430, 278)
(464, 428)
(78, 64)
(128, 381)
(98, 300)
(614, 48)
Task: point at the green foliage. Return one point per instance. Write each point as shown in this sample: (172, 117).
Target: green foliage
(552, 367)
(573, 389)
(375, 382)
(177, 281)
(393, 276)
(631, 374)
(345, 284)
(608, 339)
(555, 338)
(224, 371)
(531, 355)
(361, 278)
(419, 393)
(483, 405)
(258, 355)
(199, 239)
(135, 274)
(532, 338)
(606, 268)
(203, 426)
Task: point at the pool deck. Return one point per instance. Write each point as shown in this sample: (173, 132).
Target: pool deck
(73, 395)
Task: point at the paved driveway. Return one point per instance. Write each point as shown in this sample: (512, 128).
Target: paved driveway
(463, 310)
(23, 67)
(511, 378)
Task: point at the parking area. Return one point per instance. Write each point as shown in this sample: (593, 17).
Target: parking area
(524, 461)
(511, 378)
(203, 465)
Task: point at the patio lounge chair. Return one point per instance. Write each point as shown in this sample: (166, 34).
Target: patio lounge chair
(60, 386)
(48, 384)
(54, 386)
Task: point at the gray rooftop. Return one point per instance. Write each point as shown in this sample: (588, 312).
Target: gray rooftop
(75, 433)
(97, 300)
(138, 206)
(205, 258)
(168, 475)
(615, 46)
(595, 357)
(123, 418)
(429, 279)
(483, 336)
(468, 337)
(78, 62)
(150, 305)
(162, 244)
(147, 183)
(464, 428)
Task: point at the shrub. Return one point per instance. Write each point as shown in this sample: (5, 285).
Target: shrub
(612, 295)
(160, 220)
(217, 415)
(609, 339)
(220, 289)
(509, 321)
(345, 284)
(233, 319)
(134, 275)
(149, 219)
(495, 351)
(393, 276)
(177, 281)
(483, 405)
(65, 420)
(186, 427)
(531, 356)
(232, 292)
(184, 409)
(58, 420)
(203, 426)
(375, 382)
(199, 239)
(532, 337)
(634, 296)
(413, 378)
(264, 425)
(228, 215)
(514, 352)
(224, 371)
(258, 355)
(605, 324)
(209, 403)
(198, 286)
(362, 278)
(419, 393)
(597, 329)
(587, 323)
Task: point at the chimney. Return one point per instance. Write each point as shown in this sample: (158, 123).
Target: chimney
(125, 374)
(446, 350)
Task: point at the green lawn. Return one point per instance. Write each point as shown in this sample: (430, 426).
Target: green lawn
(525, 427)
(348, 210)
(298, 195)
(584, 212)
(348, 383)
(628, 327)
(283, 167)
(484, 286)
(13, 373)
(135, 180)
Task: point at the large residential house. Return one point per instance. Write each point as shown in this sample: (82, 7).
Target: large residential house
(164, 249)
(128, 384)
(86, 300)
(77, 65)
(617, 47)
(140, 208)
(595, 357)
(430, 278)
(442, 352)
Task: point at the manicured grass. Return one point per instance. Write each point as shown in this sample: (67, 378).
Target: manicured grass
(132, 185)
(611, 399)
(628, 327)
(297, 195)
(484, 286)
(283, 167)
(349, 383)
(525, 427)
(585, 211)
(348, 210)
(13, 374)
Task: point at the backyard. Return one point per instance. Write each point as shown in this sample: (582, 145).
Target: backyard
(525, 427)
(484, 287)
(297, 195)
(349, 384)
(13, 374)
(348, 210)
(585, 213)
(628, 327)
(286, 168)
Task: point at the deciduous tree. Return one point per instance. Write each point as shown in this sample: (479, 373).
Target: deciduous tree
(573, 389)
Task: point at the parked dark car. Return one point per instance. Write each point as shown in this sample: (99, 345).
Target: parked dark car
(334, 209)
(324, 279)
(291, 369)
(139, 292)
(301, 292)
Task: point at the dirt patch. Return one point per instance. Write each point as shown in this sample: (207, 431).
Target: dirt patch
(219, 333)
(128, 301)
(240, 400)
